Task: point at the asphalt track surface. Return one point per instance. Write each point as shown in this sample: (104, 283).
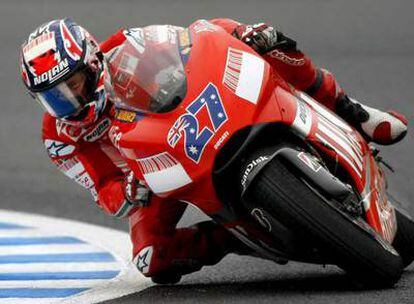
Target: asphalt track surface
(368, 44)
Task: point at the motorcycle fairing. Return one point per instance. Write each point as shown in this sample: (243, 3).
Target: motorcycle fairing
(333, 137)
(189, 137)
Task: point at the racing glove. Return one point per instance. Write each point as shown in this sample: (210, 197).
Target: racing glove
(263, 38)
(136, 191)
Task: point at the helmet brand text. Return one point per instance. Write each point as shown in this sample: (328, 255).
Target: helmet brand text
(51, 75)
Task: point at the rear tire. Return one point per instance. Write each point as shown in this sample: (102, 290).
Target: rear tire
(353, 248)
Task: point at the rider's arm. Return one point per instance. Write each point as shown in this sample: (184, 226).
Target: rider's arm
(291, 63)
(89, 166)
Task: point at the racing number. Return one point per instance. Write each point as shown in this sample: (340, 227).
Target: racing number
(188, 124)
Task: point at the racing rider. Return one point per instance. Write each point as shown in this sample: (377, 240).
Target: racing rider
(65, 70)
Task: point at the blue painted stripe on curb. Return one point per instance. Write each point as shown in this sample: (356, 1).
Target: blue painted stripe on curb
(57, 258)
(39, 292)
(73, 275)
(4, 225)
(20, 241)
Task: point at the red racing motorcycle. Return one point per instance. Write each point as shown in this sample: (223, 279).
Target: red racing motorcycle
(205, 120)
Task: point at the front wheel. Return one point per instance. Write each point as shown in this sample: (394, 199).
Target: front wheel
(404, 239)
(349, 242)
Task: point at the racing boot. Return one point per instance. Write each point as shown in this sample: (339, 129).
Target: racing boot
(385, 128)
(212, 242)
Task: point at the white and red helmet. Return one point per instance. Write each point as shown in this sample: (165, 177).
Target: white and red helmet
(52, 54)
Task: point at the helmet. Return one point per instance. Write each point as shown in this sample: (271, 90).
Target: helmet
(63, 68)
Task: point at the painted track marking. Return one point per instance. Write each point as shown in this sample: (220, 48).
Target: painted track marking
(49, 260)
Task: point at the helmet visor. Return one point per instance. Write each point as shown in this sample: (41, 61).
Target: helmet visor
(63, 100)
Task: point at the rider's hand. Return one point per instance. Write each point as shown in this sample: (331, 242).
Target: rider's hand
(263, 38)
(259, 36)
(135, 191)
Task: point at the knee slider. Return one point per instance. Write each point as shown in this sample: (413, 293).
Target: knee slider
(143, 260)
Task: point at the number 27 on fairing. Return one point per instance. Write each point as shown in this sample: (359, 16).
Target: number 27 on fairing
(188, 124)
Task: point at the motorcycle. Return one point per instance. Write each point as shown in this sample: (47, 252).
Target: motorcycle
(203, 119)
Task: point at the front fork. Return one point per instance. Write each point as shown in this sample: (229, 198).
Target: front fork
(380, 213)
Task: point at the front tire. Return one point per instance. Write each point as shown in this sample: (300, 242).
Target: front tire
(404, 239)
(354, 248)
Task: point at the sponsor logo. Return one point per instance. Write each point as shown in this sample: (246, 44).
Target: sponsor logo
(74, 169)
(250, 167)
(143, 260)
(303, 120)
(303, 112)
(196, 132)
(127, 116)
(221, 140)
(85, 180)
(279, 55)
(324, 112)
(338, 136)
(54, 73)
(66, 166)
(58, 149)
(98, 131)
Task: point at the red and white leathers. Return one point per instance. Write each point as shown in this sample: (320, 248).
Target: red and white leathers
(296, 68)
(159, 248)
(86, 155)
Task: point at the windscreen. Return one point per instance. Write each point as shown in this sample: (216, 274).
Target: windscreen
(147, 70)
